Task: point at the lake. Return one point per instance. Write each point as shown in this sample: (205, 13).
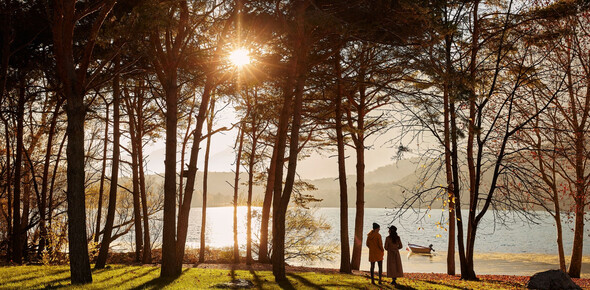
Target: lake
(516, 247)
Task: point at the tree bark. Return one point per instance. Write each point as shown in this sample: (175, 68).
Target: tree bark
(281, 202)
(108, 228)
(344, 242)
(359, 144)
(135, 148)
(205, 181)
(102, 174)
(448, 162)
(147, 250)
(263, 255)
(253, 127)
(169, 268)
(240, 143)
(17, 231)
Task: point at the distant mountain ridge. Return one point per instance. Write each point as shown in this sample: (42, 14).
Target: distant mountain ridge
(382, 187)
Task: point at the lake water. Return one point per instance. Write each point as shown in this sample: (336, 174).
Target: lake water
(517, 247)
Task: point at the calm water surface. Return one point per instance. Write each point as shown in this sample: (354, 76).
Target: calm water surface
(517, 247)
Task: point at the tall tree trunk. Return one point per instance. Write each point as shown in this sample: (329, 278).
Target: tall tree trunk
(250, 182)
(344, 242)
(108, 228)
(135, 148)
(359, 144)
(579, 198)
(456, 186)
(169, 257)
(102, 174)
(279, 218)
(78, 245)
(448, 162)
(9, 192)
(266, 206)
(205, 181)
(183, 215)
(45, 179)
(236, 189)
(17, 232)
(281, 201)
(147, 246)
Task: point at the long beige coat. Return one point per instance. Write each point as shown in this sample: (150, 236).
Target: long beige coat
(394, 261)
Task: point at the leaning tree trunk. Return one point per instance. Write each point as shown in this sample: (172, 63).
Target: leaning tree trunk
(108, 227)
(102, 174)
(205, 182)
(263, 256)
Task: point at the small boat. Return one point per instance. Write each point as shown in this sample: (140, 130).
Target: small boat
(417, 249)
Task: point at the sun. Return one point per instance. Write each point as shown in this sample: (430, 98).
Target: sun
(239, 57)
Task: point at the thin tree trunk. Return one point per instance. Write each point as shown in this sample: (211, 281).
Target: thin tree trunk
(135, 148)
(236, 189)
(17, 233)
(263, 255)
(281, 201)
(448, 162)
(183, 215)
(147, 250)
(205, 181)
(279, 217)
(344, 242)
(359, 145)
(102, 174)
(108, 228)
(251, 181)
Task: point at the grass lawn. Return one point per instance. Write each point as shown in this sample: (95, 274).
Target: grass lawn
(146, 277)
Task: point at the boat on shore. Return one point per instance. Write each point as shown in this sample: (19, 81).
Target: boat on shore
(417, 249)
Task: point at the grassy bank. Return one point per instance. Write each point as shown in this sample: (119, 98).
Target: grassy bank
(146, 277)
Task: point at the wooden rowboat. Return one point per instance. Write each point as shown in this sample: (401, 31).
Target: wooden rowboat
(417, 249)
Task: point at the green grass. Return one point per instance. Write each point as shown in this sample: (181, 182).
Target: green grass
(140, 277)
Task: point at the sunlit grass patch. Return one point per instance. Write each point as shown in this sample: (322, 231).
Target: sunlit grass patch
(147, 277)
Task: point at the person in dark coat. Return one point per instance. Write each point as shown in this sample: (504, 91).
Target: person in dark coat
(394, 262)
(376, 251)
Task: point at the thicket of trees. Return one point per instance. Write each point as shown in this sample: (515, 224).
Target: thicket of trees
(501, 86)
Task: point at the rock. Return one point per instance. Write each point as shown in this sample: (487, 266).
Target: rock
(550, 280)
(236, 284)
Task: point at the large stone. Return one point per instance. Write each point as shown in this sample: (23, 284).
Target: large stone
(551, 280)
(236, 284)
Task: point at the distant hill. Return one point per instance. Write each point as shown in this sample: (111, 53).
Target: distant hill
(381, 187)
(385, 186)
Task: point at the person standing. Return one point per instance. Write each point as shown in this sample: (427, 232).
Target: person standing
(376, 251)
(394, 262)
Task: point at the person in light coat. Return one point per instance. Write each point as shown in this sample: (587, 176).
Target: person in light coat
(394, 262)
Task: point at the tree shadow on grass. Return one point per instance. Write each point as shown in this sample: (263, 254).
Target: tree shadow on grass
(31, 275)
(305, 282)
(257, 282)
(158, 283)
(145, 273)
(443, 284)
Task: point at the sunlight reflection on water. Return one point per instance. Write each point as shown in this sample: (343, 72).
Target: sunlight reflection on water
(516, 248)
